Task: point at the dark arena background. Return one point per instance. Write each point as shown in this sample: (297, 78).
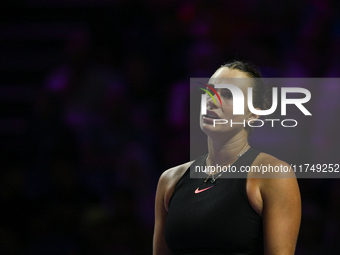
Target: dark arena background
(95, 106)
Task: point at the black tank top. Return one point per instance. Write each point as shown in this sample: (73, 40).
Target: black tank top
(218, 220)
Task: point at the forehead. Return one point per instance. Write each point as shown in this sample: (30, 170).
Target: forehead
(225, 72)
(236, 77)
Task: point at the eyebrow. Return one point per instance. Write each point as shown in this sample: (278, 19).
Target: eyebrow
(222, 89)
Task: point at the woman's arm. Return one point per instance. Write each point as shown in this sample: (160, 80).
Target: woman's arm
(281, 211)
(159, 245)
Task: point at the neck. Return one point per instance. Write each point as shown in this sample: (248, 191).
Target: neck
(222, 151)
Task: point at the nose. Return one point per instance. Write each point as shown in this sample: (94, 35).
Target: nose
(211, 104)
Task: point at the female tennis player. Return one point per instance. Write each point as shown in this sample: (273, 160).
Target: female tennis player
(216, 215)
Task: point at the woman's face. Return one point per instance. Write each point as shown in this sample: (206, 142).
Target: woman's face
(225, 111)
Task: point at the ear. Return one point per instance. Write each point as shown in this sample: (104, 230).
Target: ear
(253, 116)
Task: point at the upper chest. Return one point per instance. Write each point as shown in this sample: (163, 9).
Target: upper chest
(252, 190)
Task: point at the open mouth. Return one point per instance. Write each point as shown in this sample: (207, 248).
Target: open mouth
(211, 115)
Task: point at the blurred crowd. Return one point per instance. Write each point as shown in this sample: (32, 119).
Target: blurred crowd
(110, 118)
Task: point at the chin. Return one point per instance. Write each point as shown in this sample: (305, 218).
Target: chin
(219, 130)
(210, 130)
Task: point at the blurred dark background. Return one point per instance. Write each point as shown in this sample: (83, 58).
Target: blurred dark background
(95, 107)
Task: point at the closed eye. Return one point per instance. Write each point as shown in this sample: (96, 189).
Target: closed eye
(226, 93)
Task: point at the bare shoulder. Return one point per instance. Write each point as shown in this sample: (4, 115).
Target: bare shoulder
(169, 179)
(275, 178)
(269, 166)
(279, 203)
(264, 158)
(166, 183)
(271, 180)
(175, 172)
